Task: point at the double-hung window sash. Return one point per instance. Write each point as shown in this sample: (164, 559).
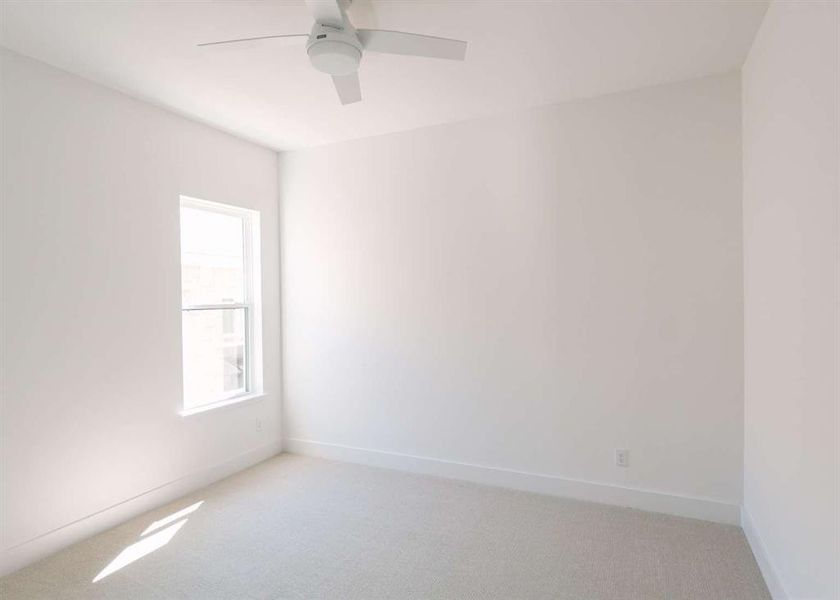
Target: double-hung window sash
(217, 302)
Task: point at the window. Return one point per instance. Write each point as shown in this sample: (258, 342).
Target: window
(220, 314)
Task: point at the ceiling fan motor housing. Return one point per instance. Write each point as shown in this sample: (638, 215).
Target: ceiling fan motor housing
(334, 50)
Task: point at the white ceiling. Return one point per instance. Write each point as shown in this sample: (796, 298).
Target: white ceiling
(521, 53)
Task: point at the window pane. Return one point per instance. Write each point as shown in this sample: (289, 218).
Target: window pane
(214, 355)
(212, 258)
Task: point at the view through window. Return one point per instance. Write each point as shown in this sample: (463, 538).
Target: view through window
(218, 311)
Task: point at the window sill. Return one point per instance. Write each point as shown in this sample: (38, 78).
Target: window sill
(222, 403)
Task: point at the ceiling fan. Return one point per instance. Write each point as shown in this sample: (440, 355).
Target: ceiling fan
(335, 47)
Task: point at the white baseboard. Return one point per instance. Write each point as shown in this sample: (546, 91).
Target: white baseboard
(22, 554)
(774, 584)
(604, 493)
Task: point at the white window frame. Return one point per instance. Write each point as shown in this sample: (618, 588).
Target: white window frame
(252, 305)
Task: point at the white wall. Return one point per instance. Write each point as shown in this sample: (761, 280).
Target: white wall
(91, 274)
(791, 165)
(527, 292)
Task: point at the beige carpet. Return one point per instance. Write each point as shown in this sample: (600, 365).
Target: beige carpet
(295, 527)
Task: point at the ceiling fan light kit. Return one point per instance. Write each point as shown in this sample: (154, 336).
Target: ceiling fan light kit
(334, 51)
(335, 47)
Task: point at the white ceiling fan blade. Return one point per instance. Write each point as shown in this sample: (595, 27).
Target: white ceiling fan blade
(327, 12)
(412, 44)
(348, 88)
(362, 13)
(254, 39)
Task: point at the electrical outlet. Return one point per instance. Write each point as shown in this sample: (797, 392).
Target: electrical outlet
(259, 425)
(622, 458)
